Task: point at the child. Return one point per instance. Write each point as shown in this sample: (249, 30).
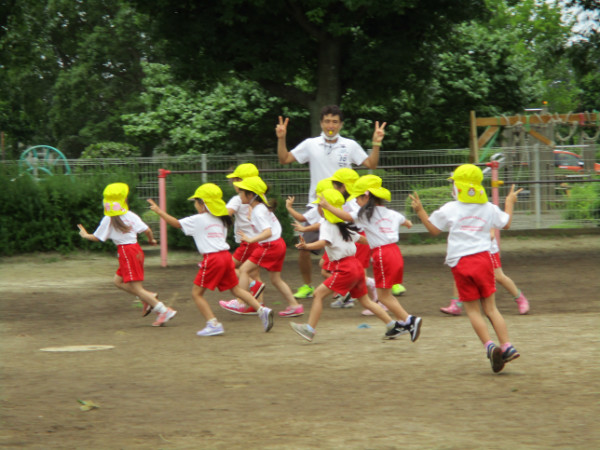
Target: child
(122, 227)
(270, 253)
(523, 304)
(382, 227)
(469, 220)
(209, 230)
(347, 272)
(241, 213)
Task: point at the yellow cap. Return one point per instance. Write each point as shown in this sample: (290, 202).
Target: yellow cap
(253, 184)
(346, 176)
(212, 196)
(334, 198)
(372, 184)
(467, 178)
(244, 171)
(115, 199)
(325, 183)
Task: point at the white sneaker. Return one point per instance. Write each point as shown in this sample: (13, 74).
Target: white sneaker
(266, 317)
(211, 330)
(342, 301)
(164, 317)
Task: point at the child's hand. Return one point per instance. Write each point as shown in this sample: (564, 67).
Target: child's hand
(82, 232)
(290, 201)
(152, 241)
(408, 224)
(298, 226)
(415, 202)
(301, 245)
(153, 206)
(512, 195)
(379, 132)
(242, 236)
(322, 202)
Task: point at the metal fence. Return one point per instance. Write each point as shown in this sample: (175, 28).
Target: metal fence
(547, 200)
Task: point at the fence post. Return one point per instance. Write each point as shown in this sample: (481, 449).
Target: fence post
(162, 203)
(495, 165)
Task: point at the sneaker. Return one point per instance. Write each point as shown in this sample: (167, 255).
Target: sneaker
(146, 308)
(237, 307)
(292, 311)
(494, 354)
(397, 330)
(342, 301)
(256, 288)
(368, 312)
(266, 316)
(211, 330)
(414, 328)
(522, 303)
(304, 292)
(510, 354)
(453, 309)
(398, 289)
(302, 330)
(164, 317)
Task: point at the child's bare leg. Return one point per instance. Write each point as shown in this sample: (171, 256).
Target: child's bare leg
(246, 297)
(385, 296)
(283, 287)
(506, 282)
(477, 321)
(375, 309)
(316, 309)
(201, 303)
(136, 288)
(490, 310)
(247, 270)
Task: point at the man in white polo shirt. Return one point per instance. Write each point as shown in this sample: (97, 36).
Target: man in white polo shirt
(324, 154)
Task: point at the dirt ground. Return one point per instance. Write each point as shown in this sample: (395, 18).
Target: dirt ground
(167, 388)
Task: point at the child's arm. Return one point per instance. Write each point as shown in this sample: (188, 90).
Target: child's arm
(345, 216)
(84, 234)
(302, 229)
(417, 206)
(317, 245)
(407, 223)
(266, 234)
(169, 219)
(509, 204)
(362, 240)
(295, 214)
(150, 236)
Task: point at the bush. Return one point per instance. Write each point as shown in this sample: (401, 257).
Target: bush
(110, 150)
(583, 203)
(431, 198)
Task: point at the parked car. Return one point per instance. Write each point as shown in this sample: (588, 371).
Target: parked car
(563, 159)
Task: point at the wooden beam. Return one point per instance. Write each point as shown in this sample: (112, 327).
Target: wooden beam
(539, 137)
(474, 156)
(486, 136)
(539, 119)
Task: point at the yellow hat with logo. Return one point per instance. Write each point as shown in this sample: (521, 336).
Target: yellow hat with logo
(345, 176)
(115, 199)
(467, 178)
(253, 184)
(372, 184)
(212, 196)
(334, 198)
(244, 171)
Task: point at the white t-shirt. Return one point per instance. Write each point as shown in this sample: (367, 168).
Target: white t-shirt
(469, 227)
(324, 159)
(208, 231)
(383, 228)
(337, 248)
(262, 219)
(106, 231)
(242, 217)
(352, 207)
(312, 215)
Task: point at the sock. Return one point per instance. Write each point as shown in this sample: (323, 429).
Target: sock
(407, 321)
(488, 343)
(518, 294)
(390, 325)
(159, 308)
(214, 322)
(505, 346)
(311, 329)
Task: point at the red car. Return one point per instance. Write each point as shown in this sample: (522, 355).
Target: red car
(564, 159)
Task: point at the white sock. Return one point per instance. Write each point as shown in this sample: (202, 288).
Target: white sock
(214, 322)
(159, 308)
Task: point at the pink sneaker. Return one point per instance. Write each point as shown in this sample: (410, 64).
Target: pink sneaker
(453, 309)
(164, 317)
(292, 311)
(368, 312)
(256, 288)
(237, 307)
(522, 303)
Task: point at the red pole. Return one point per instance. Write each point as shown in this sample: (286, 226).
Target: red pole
(495, 165)
(162, 203)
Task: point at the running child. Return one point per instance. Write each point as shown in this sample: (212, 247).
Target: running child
(382, 227)
(347, 272)
(122, 227)
(241, 215)
(270, 253)
(455, 306)
(468, 220)
(209, 230)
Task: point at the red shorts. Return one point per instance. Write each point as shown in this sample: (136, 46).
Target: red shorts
(217, 270)
(243, 252)
(388, 266)
(474, 277)
(270, 255)
(363, 253)
(326, 262)
(347, 275)
(131, 262)
(496, 260)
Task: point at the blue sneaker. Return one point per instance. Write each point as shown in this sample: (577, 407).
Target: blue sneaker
(211, 330)
(494, 354)
(510, 353)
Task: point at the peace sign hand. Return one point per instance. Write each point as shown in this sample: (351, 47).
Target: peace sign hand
(379, 132)
(281, 128)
